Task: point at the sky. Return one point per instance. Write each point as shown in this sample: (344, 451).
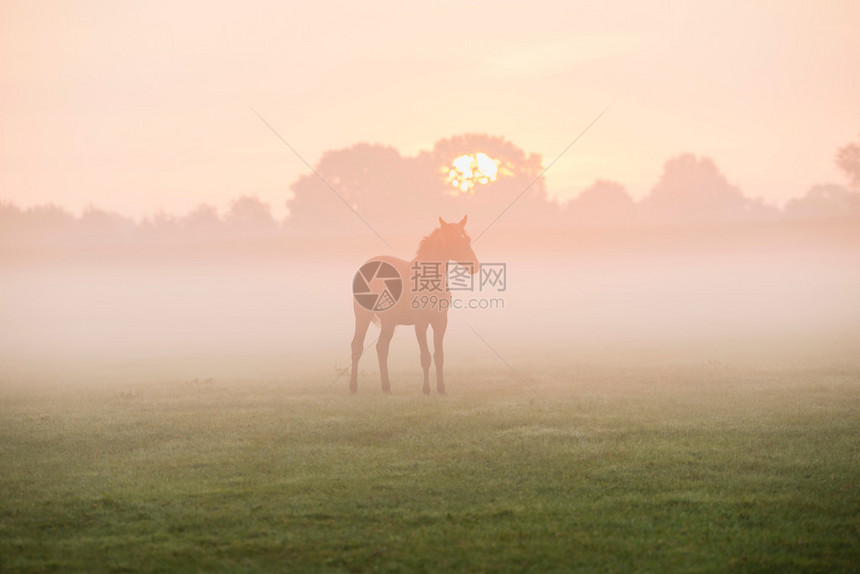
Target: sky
(144, 106)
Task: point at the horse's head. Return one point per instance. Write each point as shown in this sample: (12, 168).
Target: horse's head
(456, 244)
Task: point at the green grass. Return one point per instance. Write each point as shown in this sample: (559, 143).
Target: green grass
(679, 468)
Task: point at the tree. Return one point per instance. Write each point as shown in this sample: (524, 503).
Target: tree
(519, 189)
(11, 221)
(249, 215)
(397, 194)
(202, 221)
(602, 202)
(105, 228)
(848, 160)
(828, 201)
(694, 189)
(374, 180)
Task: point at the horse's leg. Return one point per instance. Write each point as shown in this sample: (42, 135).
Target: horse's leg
(382, 351)
(421, 333)
(438, 353)
(362, 321)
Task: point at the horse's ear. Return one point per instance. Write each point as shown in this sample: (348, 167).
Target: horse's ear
(463, 221)
(442, 221)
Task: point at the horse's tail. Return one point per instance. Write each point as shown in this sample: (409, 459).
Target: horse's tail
(375, 319)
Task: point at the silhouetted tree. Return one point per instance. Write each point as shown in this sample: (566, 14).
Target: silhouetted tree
(41, 225)
(160, 227)
(250, 216)
(100, 226)
(602, 202)
(8, 209)
(848, 160)
(519, 185)
(692, 188)
(202, 222)
(11, 221)
(828, 201)
(397, 194)
(49, 218)
(372, 179)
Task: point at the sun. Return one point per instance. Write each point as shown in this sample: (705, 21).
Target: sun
(470, 169)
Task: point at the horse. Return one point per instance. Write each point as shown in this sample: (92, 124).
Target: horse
(418, 295)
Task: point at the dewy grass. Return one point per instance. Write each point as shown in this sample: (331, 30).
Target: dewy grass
(671, 468)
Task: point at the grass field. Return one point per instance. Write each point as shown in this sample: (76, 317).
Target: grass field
(680, 467)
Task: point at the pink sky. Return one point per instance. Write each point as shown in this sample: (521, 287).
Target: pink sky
(140, 106)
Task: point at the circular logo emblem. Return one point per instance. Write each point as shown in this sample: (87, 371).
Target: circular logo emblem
(378, 295)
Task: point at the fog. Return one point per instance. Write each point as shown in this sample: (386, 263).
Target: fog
(615, 298)
(695, 271)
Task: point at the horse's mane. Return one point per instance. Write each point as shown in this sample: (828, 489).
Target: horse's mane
(427, 243)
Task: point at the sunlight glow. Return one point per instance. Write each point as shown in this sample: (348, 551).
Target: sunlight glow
(470, 169)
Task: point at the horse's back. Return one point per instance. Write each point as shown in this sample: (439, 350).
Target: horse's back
(401, 265)
(408, 308)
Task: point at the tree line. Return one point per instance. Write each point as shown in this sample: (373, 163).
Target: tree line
(394, 193)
